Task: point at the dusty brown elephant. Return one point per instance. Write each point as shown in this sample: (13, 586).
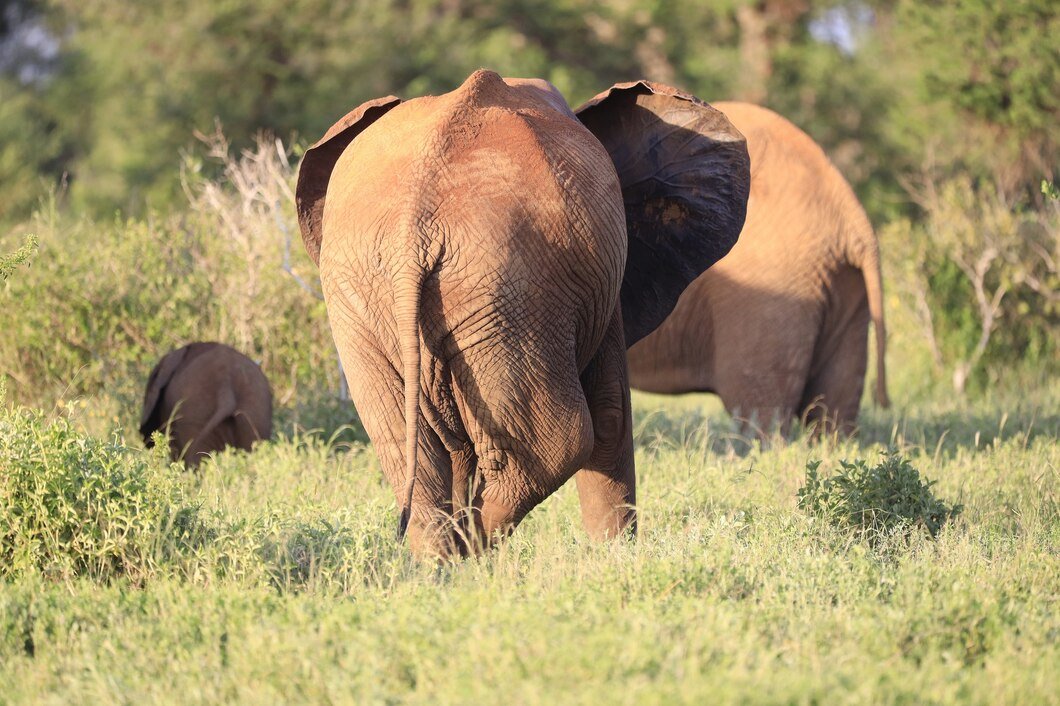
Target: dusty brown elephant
(208, 396)
(778, 328)
(473, 256)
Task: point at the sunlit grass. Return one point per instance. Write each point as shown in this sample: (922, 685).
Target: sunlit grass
(297, 591)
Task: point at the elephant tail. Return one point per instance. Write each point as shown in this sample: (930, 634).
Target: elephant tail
(870, 270)
(226, 407)
(410, 289)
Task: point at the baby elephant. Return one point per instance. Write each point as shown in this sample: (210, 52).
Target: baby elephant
(208, 396)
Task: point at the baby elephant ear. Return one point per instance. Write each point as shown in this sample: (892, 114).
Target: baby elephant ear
(161, 374)
(685, 176)
(319, 161)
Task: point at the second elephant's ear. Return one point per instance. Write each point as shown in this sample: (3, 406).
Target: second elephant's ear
(156, 383)
(319, 161)
(685, 176)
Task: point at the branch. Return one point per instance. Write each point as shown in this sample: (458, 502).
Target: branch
(286, 266)
(927, 322)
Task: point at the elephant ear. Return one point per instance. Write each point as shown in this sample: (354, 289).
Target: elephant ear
(319, 161)
(685, 177)
(161, 374)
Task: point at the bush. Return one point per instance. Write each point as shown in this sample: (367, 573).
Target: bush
(105, 300)
(875, 500)
(982, 272)
(72, 505)
(11, 261)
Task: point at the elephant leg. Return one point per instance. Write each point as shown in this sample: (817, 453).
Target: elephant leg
(378, 393)
(517, 479)
(607, 483)
(443, 417)
(431, 526)
(526, 415)
(247, 430)
(833, 390)
(200, 449)
(761, 379)
(201, 421)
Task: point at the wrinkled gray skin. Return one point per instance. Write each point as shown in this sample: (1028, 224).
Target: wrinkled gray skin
(473, 256)
(206, 396)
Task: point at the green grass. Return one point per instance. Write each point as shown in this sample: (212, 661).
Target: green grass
(275, 577)
(290, 587)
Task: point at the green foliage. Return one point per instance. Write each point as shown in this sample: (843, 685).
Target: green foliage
(72, 505)
(875, 501)
(999, 62)
(295, 67)
(299, 592)
(980, 271)
(968, 83)
(10, 262)
(979, 94)
(105, 300)
(30, 149)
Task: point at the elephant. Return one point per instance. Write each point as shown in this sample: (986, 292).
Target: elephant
(778, 328)
(206, 396)
(472, 250)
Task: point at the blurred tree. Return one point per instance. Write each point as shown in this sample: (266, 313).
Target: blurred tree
(146, 76)
(29, 145)
(986, 76)
(891, 88)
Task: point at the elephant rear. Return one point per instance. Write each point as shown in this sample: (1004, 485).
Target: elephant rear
(778, 326)
(206, 396)
(472, 250)
(452, 278)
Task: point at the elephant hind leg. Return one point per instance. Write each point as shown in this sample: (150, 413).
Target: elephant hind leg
(519, 477)
(607, 486)
(431, 524)
(833, 396)
(833, 391)
(761, 382)
(378, 393)
(531, 431)
(202, 445)
(247, 429)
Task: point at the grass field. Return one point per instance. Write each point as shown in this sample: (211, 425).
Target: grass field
(274, 577)
(776, 573)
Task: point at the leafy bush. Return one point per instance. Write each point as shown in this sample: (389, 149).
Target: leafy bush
(981, 271)
(876, 500)
(9, 262)
(73, 505)
(105, 300)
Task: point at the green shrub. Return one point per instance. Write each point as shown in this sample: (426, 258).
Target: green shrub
(73, 505)
(876, 500)
(981, 272)
(10, 261)
(105, 300)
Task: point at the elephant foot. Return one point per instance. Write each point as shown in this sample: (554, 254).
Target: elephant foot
(608, 504)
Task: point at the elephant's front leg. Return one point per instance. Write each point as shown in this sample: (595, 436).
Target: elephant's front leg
(607, 484)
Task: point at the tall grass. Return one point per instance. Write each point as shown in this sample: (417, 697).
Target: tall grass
(293, 588)
(104, 300)
(274, 576)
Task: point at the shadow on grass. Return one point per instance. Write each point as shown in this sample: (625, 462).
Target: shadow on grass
(946, 430)
(699, 421)
(689, 427)
(333, 419)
